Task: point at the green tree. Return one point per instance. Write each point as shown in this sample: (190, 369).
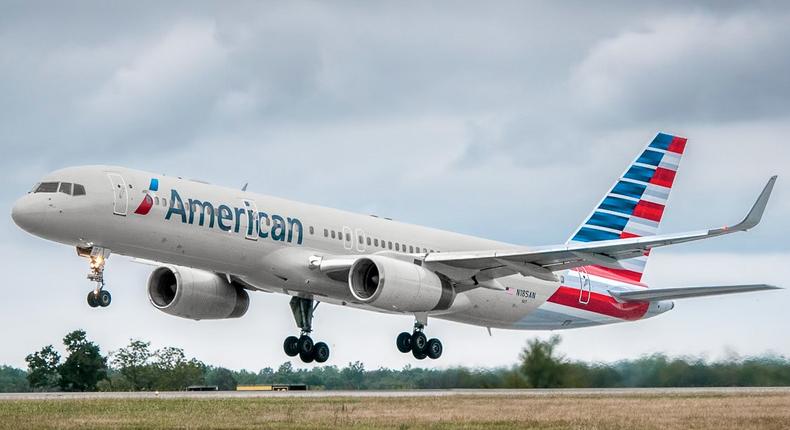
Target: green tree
(133, 364)
(354, 375)
(541, 364)
(174, 372)
(13, 380)
(221, 377)
(42, 369)
(84, 367)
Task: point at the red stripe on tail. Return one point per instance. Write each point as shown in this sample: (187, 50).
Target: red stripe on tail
(663, 177)
(678, 145)
(649, 210)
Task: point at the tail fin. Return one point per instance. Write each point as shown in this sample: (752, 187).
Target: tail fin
(635, 204)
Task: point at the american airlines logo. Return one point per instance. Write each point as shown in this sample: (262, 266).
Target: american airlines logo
(227, 218)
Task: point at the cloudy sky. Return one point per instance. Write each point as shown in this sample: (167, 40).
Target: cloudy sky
(503, 120)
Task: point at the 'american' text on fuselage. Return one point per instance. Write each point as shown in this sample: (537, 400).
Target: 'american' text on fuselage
(227, 219)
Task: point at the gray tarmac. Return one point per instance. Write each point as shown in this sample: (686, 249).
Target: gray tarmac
(592, 392)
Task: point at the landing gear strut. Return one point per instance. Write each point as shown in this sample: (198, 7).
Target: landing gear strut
(303, 345)
(419, 344)
(98, 257)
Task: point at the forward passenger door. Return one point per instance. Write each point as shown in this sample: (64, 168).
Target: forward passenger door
(120, 194)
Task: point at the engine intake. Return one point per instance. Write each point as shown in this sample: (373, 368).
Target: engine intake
(392, 284)
(195, 294)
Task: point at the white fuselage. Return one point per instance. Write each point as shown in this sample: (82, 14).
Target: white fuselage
(267, 243)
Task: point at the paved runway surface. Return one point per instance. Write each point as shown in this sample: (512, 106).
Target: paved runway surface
(400, 393)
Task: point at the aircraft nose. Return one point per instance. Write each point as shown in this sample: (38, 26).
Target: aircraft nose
(28, 215)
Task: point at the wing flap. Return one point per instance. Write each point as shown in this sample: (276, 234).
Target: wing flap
(686, 292)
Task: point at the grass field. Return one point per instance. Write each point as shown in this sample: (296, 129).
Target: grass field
(601, 411)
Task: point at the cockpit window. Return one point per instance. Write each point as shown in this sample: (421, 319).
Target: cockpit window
(35, 187)
(47, 187)
(79, 190)
(65, 188)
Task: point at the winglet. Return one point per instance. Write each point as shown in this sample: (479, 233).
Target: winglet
(756, 214)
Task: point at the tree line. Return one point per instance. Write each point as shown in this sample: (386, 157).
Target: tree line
(138, 367)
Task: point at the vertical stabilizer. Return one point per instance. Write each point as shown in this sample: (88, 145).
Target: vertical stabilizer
(635, 204)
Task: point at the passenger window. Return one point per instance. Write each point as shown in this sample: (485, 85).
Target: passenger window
(312, 231)
(411, 249)
(326, 233)
(360, 239)
(164, 201)
(375, 242)
(397, 246)
(65, 188)
(389, 245)
(333, 234)
(340, 235)
(156, 199)
(47, 187)
(368, 241)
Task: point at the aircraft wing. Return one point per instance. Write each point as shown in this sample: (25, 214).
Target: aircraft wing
(542, 262)
(657, 294)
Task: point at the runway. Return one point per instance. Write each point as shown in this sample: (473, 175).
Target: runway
(567, 392)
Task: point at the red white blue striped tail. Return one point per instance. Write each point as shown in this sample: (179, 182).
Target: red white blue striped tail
(635, 204)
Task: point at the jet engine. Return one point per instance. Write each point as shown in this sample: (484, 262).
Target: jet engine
(195, 294)
(392, 284)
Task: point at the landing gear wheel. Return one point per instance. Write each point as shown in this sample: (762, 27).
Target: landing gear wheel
(434, 349)
(305, 346)
(307, 357)
(291, 346)
(92, 302)
(104, 299)
(404, 342)
(321, 352)
(419, 355)
(419, 342)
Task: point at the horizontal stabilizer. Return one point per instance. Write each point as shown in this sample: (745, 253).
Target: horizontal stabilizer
(685, 292)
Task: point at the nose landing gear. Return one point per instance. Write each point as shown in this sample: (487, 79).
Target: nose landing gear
(303, 345)
(419, 344)
(99, 297)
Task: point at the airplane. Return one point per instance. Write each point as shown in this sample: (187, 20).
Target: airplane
(213, 245)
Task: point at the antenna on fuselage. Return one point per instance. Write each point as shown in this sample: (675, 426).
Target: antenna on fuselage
(244, 188)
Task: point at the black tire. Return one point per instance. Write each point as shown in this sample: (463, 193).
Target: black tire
(307, 357)
(105, 298)
(291, 346)
(419, 355)
(305, 345)
(92, 302)
(321, 352)
(404, 342)
(434, 349)
(419, 342)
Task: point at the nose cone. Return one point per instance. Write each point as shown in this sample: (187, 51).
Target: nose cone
(28, 214)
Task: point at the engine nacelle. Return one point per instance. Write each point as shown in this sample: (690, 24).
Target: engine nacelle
(392, 284)
(195, 294)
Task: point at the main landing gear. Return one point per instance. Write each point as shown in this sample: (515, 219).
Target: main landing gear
(303, 345)
(419, 344)
(99, 297)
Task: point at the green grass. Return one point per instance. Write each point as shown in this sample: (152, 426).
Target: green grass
(622, 411)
